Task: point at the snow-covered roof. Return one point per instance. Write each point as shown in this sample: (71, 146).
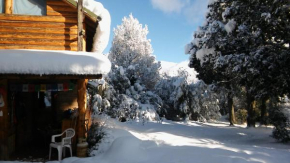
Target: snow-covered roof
(96, 11)
(43, 62)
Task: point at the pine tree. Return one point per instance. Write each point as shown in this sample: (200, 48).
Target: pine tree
(134, 73)
(182, 99)
(204, 50)
(133, 51)
(245, 43)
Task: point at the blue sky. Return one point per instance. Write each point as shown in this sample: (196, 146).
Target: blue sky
(171, 23)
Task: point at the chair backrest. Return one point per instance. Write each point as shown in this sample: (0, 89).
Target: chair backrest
(69, 133)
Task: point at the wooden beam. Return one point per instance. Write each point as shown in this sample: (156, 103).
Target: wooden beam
(56, 3)
(46, 36)
(8, 6)
(64, 14)
(80, 25)
(16, 23)
(38, 30)
(60, 8)
(82, 100)
(25, 41)
(84, 42)
(57, 19)
(39, 47)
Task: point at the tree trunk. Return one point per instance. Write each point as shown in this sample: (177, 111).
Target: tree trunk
(231, 110)
(251, 104)
(263, 112)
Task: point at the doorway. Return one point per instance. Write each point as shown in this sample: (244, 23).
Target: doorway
(34, 120)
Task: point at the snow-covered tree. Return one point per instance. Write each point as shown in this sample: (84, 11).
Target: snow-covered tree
(133, 75)
(245, 43)
(204, 53)
(127, 100)
(133, 51)
(182, 99)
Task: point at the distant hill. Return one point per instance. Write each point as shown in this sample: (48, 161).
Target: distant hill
(171, 69)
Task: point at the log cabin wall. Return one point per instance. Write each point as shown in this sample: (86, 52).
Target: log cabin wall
(55, 31)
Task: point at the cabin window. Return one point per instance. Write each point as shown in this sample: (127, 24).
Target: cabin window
(2, 6)
(29, 7)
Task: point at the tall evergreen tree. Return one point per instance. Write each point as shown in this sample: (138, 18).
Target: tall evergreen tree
(134, 72)
(245, 43)
(133, 51)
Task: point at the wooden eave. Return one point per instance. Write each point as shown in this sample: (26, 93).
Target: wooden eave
(50, 76)
(87, 12)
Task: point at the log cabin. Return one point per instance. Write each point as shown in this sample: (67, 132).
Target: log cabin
(32, 101)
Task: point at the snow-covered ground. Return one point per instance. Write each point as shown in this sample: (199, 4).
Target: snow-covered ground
(190, 142)
(172, 142)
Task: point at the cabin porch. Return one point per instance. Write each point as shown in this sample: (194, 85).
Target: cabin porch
(34, 111)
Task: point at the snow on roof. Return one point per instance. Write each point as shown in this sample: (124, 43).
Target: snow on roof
(101, 38)
(43, 62)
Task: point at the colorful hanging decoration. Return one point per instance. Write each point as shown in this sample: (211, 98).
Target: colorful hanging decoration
(42, 87)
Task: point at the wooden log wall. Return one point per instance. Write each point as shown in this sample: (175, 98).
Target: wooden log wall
(56, 31)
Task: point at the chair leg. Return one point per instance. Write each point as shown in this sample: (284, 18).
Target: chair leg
(49, 152)
(63, 152)
(70, 151)
(59, 153)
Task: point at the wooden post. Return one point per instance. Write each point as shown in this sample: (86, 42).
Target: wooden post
(82, 100)
(80, 25)
(8, 6)
(84, 37)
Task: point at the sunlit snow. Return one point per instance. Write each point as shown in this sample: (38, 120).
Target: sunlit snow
(186, 142)
(44, 62)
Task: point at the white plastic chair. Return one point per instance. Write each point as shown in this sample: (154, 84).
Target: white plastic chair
(65, 142)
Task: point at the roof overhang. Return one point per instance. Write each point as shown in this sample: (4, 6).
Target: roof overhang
(52, 64)
(87, 12)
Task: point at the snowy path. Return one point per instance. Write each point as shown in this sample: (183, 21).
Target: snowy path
(172, 142)
(191, 142)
